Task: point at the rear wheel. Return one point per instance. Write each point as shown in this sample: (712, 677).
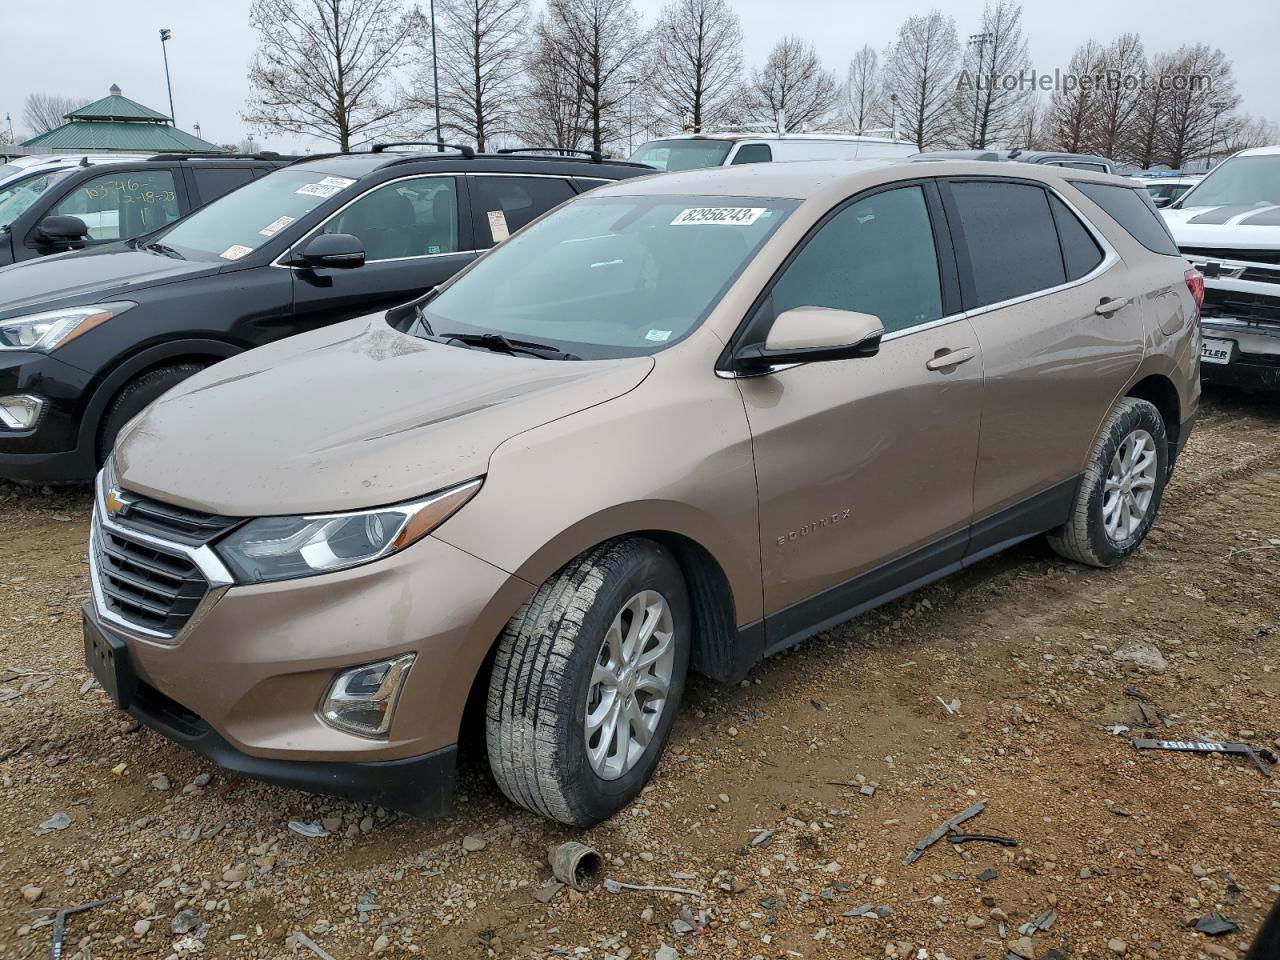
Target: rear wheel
(586, 682)
(136, 396)
(1121, 489)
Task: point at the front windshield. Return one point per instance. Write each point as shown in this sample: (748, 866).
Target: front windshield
(1241, 181)
(17, 197)
(239, 223)
(682, 154)
(610, 276)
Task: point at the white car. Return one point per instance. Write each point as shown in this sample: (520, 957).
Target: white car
(18, 167)
(1229, 227)
(696, 150)
(1165, 190)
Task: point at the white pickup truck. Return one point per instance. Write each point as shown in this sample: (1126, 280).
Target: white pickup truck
(1229, 227)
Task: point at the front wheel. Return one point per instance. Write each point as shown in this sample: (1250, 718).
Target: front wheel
(587, 680)
(136, 396)
(1121, 489)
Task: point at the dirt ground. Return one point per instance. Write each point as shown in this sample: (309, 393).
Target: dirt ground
(1128, 848)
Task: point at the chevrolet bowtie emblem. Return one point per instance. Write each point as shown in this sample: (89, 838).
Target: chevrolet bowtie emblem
(115, 503)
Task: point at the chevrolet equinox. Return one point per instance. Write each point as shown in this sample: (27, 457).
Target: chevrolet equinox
(680, 423)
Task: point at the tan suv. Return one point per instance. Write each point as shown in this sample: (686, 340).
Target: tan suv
(679, 423)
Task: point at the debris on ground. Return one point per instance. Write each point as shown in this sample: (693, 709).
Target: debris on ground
(1215, 924)
(1256, 755)
(60, 923)
(929, 839)
(982, 838)
(311, 829)
(576, 864)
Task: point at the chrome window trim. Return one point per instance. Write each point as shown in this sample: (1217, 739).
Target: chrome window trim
(311, 234)
(1109, 259)
(566, 177)
(203, 558)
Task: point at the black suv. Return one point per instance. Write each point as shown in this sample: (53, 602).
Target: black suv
(54, 210)
(88, 339)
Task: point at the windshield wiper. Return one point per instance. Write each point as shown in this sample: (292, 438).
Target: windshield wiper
(167, 251)
(499, 343)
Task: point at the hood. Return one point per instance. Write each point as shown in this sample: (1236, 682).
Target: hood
(1252, 227)
(88, 276)
(355, 415)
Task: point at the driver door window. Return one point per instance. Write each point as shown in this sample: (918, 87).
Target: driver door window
(408, 218)
(122, 204)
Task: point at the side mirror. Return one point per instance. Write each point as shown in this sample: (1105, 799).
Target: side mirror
(334, 251)
(61, 231)
(809, 334)
(1162, 201)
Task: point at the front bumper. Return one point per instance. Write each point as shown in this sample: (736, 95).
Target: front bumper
(244, 684)
(52, 451)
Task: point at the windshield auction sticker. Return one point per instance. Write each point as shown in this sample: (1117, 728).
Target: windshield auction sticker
(325, 188)
(731, 216)
(235, 252)
(498, 226)
(275, 226)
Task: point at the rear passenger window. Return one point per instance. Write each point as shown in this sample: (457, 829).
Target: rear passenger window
(213, 182)
(875, 256)
(122, 204)
(753, 153)
(1132, 209)
(1080, 252)
(505, 204)
(1010, 238)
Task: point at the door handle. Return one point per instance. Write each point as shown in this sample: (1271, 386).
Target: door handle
(1110, 305)
(950, 358)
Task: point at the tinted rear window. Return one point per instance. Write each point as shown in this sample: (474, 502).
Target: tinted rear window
(1132, 209)
(1010, 237)
(213, 182)
(1080, 252)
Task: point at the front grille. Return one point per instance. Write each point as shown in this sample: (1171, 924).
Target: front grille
(1241, 306)
(144, 559)
(146, 586)
(1231, 253)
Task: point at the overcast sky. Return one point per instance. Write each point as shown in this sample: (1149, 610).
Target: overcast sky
(118, 42)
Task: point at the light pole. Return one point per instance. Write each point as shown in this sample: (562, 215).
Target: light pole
(980, 40)
(435, 71)
(165, 34)
(9, 120)
(249, 143)
(631, 93)
(197, 128)
(893, 99)
(1218, 106)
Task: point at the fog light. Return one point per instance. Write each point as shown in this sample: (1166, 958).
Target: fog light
(362, 700)
(20, 412)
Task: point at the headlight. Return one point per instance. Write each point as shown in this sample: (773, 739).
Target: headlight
(281, 548)
(47, 331)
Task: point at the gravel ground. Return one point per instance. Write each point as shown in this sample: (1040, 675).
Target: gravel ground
(842, 750)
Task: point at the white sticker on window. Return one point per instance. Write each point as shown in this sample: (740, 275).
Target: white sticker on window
(275, 226)
(498, 226)
(235, 252)
(658, 336)
(732, 216)
(324, 188)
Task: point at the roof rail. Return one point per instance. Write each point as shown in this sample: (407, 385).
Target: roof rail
(595, 155)
(261, 155)
(466, 151)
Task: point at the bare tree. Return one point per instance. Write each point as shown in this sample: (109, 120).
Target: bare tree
(481, 43)
(990, 101)
(792, 90)
(1071, 109)
(1029, 131)
(552, 108)
(1117, 103)
(43, 112)
(599, 43)
(1244, 132)
(863, 91)
(697, 62)
(1202, 93)
(1143, 147)
(322, 67)
(920, 70)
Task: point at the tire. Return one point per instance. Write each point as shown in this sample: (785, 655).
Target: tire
(135, 397)
(1088, 537)
(535, 719)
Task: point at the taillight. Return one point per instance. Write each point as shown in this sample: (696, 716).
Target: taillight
(1195, 283)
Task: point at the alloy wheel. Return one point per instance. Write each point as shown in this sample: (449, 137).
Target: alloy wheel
(1130, 485)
